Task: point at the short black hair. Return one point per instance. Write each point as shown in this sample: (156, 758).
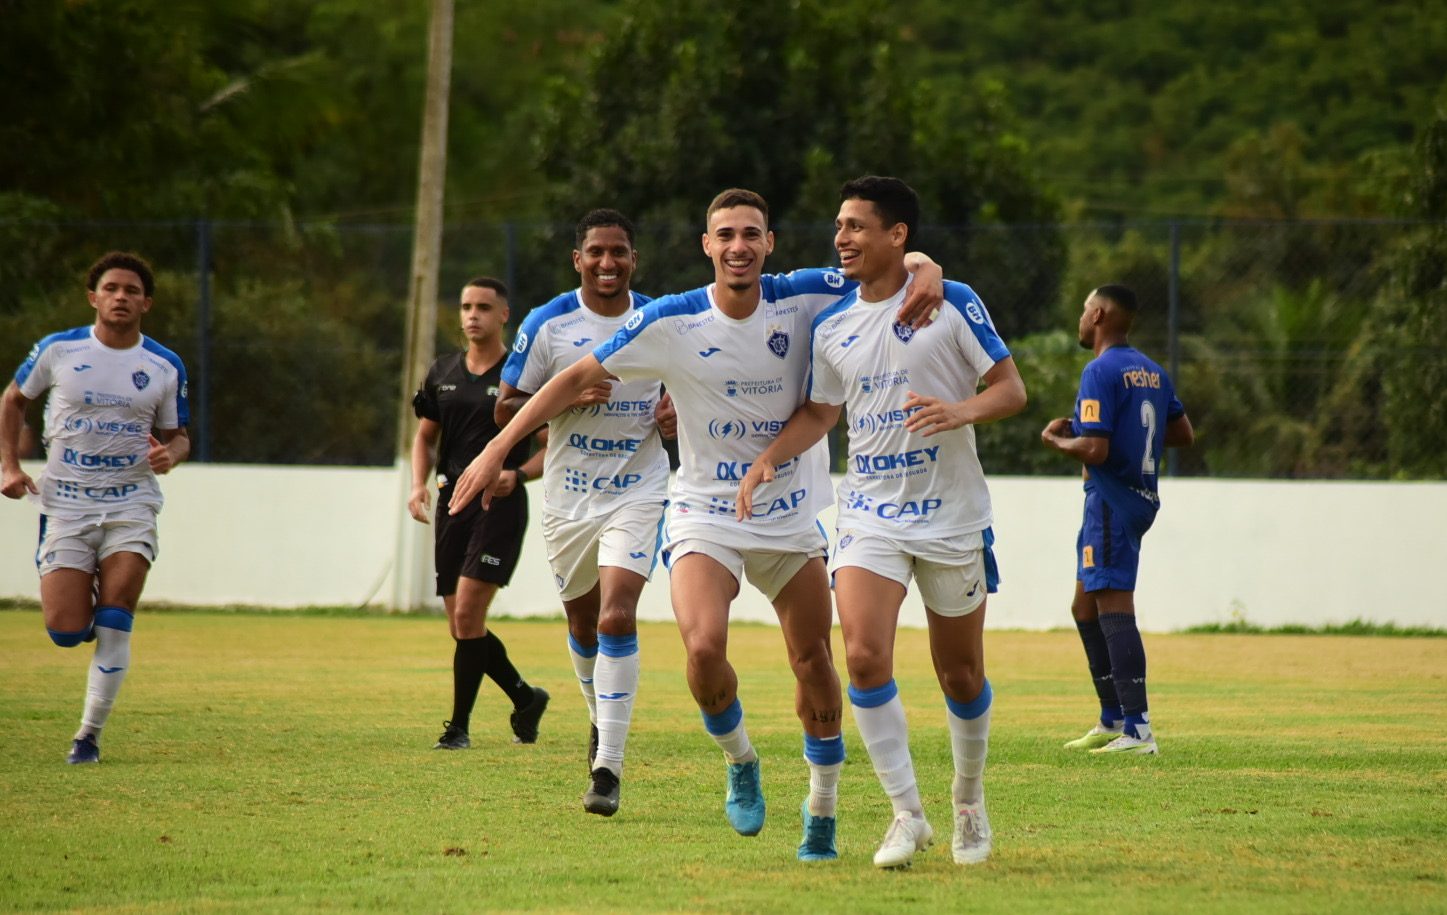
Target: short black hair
(894, 200)
(122, 260)
(1123, 296)
(738, 197)
(601, 218)
(487, 282)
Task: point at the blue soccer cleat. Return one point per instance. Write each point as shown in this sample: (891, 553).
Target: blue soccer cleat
(818, 844)
(745, 804)
(84, 750)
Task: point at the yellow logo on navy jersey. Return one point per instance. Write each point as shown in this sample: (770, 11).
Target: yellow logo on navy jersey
(1087, 558)
(1090, 411)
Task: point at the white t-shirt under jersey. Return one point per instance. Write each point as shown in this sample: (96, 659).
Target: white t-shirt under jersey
(602, 456)
(102, 405)
(900, 483)
(735, 383)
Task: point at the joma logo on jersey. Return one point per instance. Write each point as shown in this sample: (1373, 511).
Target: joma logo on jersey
(587, 443)
(1090, 411)
(882, 463)
(106, 461)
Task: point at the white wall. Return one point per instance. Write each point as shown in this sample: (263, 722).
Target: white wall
(1271, 553)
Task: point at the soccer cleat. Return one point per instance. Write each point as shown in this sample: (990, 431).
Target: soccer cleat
(818, 843)
(745, 803)
(592, 745)
(602, 795)
(84, 750)
(973, 837)
(906, 835)
(1126, 745)
(453, 738)
(1097, 736)
(525, 720)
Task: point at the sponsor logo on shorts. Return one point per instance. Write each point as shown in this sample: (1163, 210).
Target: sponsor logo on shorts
(489, 560)
(845, 541)
(637, 555)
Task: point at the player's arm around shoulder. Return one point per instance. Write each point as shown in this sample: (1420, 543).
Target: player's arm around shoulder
(14, 482)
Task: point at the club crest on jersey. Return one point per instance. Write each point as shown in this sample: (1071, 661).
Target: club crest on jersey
(140, 379)
(779, 343)
(904, 332)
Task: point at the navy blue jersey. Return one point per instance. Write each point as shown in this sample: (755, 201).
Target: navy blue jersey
(1127, 398)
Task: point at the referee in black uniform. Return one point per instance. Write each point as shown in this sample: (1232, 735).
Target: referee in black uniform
(476, 550)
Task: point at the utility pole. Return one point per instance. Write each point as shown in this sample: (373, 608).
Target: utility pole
(409, 589)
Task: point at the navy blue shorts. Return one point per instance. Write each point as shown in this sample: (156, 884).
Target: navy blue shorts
(1108, 547)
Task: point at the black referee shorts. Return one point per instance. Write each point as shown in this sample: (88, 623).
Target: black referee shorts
(477, 544)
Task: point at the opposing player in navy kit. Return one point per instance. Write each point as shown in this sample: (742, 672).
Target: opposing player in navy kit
(1126, 415)
(115, 418)
(604, 489)
(476, 548)
(734, 356)
(913, 503)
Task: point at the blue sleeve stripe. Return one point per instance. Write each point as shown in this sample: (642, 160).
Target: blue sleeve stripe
(517, 357)
(183, 398)
(977, 318)
(64, 336)
(669, 306)
(810, 281)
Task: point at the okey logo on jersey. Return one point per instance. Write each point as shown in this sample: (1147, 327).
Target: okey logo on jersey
(140, 379)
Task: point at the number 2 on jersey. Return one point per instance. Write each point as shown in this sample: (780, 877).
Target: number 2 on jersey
(1148, 419)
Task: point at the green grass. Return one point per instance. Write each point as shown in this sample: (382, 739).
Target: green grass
(282, 763)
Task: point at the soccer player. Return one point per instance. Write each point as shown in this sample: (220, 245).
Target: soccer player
(604, 489)
(115, 419)
(913, 503)
(1126, 414)
(476, 548)
(733, 355)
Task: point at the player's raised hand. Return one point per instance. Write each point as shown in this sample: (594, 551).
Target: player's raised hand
(666, 416)
(759, 472)
(160, 457)
(16, 483)
(479, 479)
(419, 503)
(925, 295)
(930, 414)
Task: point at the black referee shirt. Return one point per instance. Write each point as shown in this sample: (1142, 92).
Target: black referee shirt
(463, 404)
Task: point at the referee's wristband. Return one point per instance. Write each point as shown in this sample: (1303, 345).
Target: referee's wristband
(522, 475)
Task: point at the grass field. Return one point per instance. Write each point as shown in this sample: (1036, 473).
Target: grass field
(282, 763)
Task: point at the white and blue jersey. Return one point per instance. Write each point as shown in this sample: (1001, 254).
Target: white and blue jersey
(602, 456)
(735, 383)
(102, 407)
(899, 483)
(1126, 397)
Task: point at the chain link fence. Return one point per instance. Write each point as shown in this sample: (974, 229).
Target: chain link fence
(1282, 337)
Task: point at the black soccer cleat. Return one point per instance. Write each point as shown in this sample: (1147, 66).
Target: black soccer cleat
(84, 750)
(453, 738)
(592, 745)
(525, 720)
(602, 795)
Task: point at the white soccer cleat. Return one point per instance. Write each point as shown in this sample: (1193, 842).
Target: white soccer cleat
(1097, 736)
(906, 835)
(1126, 745)
(973, 837)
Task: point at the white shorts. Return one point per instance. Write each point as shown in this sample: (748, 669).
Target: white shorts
(81, 543)
(953, 574)
(769, 563)
(626, 538)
